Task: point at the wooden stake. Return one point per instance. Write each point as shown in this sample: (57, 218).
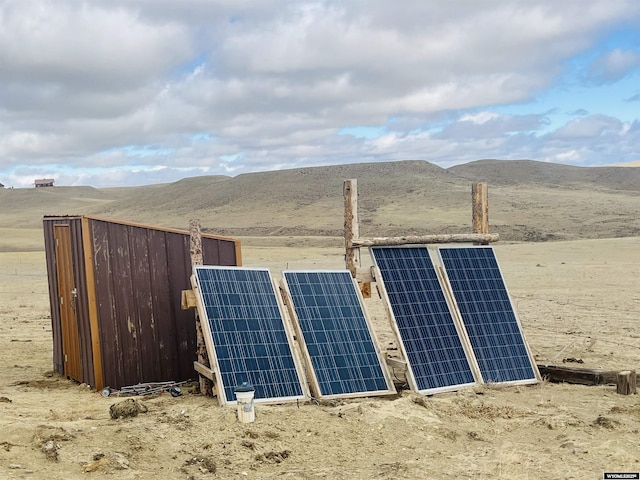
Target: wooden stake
(351, 225)
(626, 382)
(206, 385)
(480, 208)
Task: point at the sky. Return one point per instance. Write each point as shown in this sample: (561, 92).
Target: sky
(135, 92)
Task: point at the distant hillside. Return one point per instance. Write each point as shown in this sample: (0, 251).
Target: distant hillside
(515, 172)
(297, 201)
(24, 207)
(528, 200)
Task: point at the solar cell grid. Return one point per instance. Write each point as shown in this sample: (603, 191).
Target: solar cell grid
(488, 315)
(429, 338)
(248, 334)
(336, 335)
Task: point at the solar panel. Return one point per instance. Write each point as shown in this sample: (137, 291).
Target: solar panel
(488, 315)
(336, 336)
(247, 336)
(429, 338)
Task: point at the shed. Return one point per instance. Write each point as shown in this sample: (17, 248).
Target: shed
(43, 182)
(115, 292)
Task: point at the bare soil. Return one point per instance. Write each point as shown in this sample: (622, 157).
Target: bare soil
(577, 300)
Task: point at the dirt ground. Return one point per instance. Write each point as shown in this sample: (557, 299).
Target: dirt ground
(577, 300)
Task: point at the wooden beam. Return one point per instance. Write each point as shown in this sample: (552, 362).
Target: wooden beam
(195, 232)
(188, 300)
(480, 208)
(397, 363)
(204, 371)
(582, 376)
(426, 239)
(351, 225)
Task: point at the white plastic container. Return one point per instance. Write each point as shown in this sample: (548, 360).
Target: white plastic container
(244, 396)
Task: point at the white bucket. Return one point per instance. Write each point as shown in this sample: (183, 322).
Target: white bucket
(246, 411)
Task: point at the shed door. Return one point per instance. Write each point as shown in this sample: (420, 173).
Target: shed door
(68, 302)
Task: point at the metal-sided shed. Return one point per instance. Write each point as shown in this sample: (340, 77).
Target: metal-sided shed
(115, 292)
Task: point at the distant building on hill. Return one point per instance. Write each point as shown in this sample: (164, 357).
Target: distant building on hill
(43, 182)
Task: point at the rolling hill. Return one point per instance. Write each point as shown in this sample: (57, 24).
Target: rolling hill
(529, 201)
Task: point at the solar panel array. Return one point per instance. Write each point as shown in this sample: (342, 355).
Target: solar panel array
(336, 334)
(435, 355)
(250, 341)
(487, 314)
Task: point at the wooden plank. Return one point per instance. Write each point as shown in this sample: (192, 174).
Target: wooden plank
(351, 226)
(87, 247)
(204, 371)
(581, 376)
(427, 239)
(188, 300)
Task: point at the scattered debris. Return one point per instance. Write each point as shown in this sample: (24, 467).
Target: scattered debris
(205, 464)
(273, 457)
(5, 400)
(145, 389)
(7, 446)
(50, 449)
(127, 408)
(117, 461)
(572, 360)
(606, 422)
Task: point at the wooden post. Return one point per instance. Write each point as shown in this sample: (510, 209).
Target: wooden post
(351, 225)
(480, 208)
(206, 385)
(626, 382)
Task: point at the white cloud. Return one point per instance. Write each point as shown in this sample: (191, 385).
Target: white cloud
(80, 82)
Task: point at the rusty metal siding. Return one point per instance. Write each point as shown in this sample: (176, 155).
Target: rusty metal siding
(82, 312)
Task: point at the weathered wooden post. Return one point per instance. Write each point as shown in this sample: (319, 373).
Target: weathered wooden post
(206, 385)
(351, 225)
(626, 382)
(480, 208)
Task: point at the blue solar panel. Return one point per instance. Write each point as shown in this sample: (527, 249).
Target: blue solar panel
(248, 334)
(336, 334)
(488, 315)
(430, 341)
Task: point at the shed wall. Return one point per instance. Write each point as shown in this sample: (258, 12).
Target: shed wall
(140, 272)
(138, 275)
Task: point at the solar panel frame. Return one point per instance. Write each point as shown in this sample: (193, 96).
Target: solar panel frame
(221, 388)
(464, 317)
(402, 342)
(304, 336)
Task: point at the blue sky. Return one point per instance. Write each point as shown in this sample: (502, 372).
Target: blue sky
(134, 92)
